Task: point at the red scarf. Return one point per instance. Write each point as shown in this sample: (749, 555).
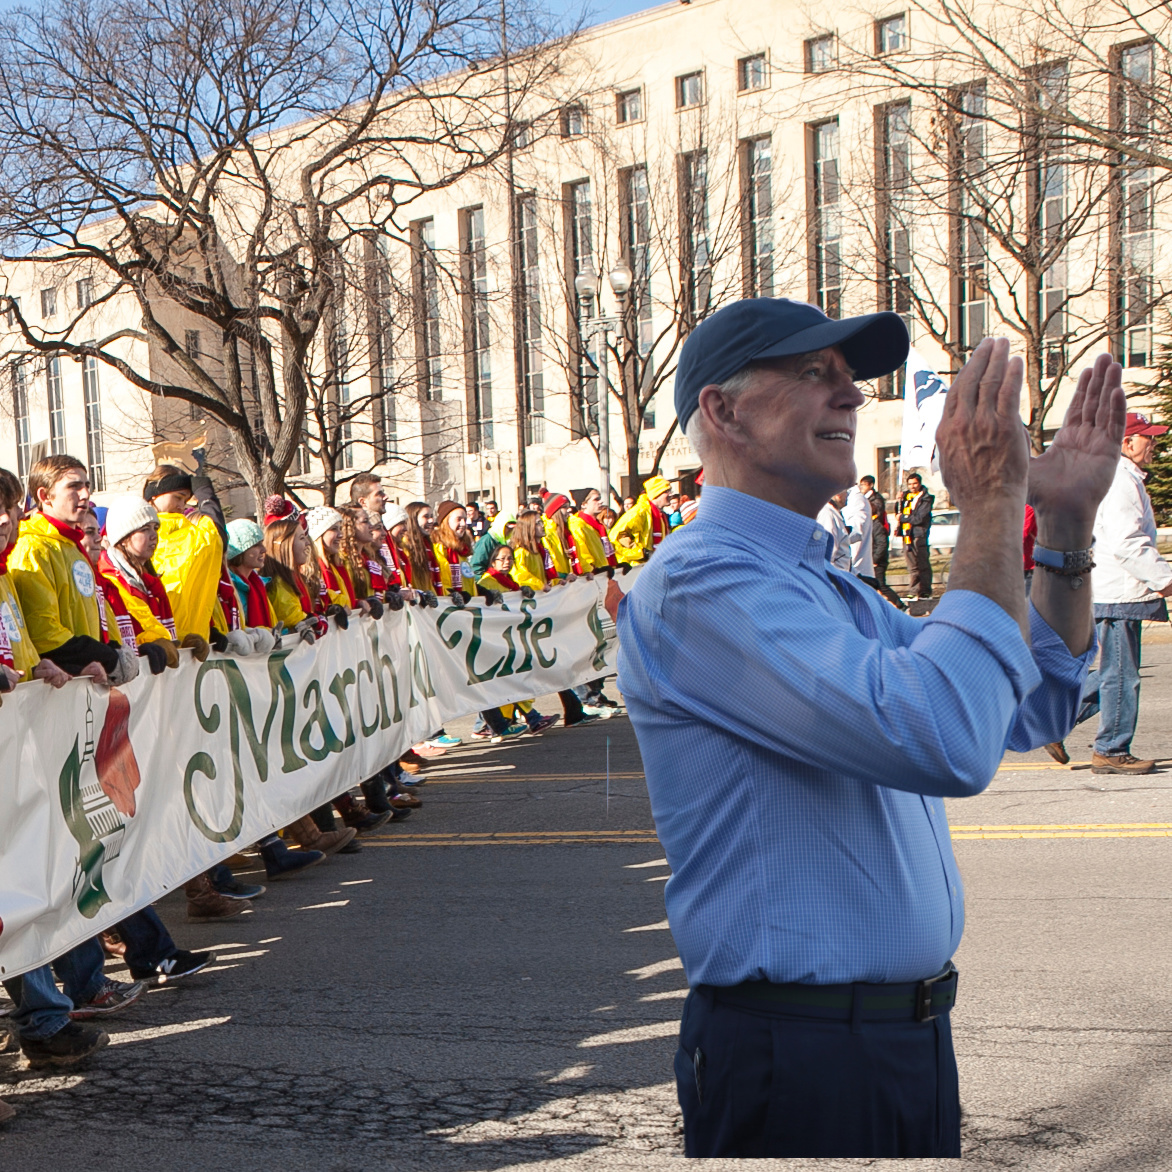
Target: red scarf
(505, 581)
(600, 529)
(572, 549)
(4, 560)
(660, 525)
(454, 556)
(257, 610)
(229, 601)
(376, 574)
(75, 535)
(336, 578)
(396, 568)
(307, 604)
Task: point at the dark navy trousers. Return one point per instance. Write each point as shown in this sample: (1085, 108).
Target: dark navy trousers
(759, 1083)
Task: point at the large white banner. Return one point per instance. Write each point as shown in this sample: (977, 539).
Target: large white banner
(111, 797)
(924, 393)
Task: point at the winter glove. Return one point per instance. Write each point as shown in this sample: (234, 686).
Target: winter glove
(306, 629)
(263, 640)
(127, 667)
(376, 607)
(459, 598)
(218, 641)
(239, 643)
(610, 571)
(339, 614)
(491, 597)
(170, 651)
(198, 644)
(427, 598)
(394, 600)
(527, 592)
(155, 656)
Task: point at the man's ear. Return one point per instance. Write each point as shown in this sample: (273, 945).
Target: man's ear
(717, 408)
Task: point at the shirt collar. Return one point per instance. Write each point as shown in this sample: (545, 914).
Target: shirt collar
(763, 524)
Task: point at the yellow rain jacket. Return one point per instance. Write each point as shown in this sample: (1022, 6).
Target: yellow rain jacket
(467, 577)
(591, 555)
(528, 569)
(557, 551)
(632, 534)
(286, 604)
(189, 561)
(57, 586)
(24, 654)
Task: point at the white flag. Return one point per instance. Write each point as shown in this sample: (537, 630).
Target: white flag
(924, 392)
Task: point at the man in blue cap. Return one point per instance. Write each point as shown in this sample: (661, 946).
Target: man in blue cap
(817, 905)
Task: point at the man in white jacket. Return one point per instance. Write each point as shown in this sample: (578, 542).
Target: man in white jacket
(1130, 583)
(857, 515)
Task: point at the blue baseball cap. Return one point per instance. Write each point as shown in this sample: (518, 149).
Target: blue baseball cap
(776, 327)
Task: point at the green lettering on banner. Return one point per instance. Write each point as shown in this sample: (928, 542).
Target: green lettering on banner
(421, 675)
(365, 668)
(543, 629)
(89, 890)
(202, 763)
(595, 625)
(338, 686)
(507, 670)
(383, 663)
(527, 607)
(330, 742)
(474, 643)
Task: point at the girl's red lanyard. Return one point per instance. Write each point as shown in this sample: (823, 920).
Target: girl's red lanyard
(600, 529)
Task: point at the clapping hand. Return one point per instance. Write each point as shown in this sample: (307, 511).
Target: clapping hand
(1069, 479)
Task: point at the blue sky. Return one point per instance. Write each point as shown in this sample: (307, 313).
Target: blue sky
(602, 10)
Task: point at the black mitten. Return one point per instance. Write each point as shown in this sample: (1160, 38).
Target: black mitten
(376, 606)
(394, 600)
(155, 656)
(339, 614)
(218, 641)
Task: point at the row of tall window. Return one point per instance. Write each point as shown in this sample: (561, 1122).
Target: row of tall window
(1132, 246)
(18, 374)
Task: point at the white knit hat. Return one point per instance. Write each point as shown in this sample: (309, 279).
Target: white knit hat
(320, 520)
(126, 515)
(393, 515)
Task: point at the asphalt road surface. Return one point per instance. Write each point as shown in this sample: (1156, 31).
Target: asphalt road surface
(491, 984)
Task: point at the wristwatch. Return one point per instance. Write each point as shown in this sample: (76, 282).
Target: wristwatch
(1070, 563)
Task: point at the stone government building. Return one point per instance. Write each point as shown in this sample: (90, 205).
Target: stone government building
(720, 149)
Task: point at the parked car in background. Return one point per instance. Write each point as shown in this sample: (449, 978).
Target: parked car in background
(945, 526)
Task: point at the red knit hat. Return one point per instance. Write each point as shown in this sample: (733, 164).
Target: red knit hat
(555, 502)
(278, 508)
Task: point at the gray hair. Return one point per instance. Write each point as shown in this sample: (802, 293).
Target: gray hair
(732, 386)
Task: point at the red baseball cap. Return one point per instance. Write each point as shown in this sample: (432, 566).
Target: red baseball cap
(1138, 424)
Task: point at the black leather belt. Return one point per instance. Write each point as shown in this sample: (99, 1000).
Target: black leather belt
(904, 1001)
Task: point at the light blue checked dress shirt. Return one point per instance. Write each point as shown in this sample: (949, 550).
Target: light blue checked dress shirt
(799, 735)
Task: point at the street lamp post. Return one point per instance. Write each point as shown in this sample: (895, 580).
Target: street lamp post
(585, 284)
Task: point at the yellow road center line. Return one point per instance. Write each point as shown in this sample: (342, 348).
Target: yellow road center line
(1067, 826)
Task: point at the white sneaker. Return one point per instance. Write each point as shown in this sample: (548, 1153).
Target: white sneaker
(599, 713)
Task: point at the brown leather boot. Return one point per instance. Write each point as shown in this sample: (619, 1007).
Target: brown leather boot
(204, 902)
(311, 837)
(1123, 763)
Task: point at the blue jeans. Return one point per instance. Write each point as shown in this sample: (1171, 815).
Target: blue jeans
(1112, 690)
(147, 940)
(81, 971)
(41, 1009)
